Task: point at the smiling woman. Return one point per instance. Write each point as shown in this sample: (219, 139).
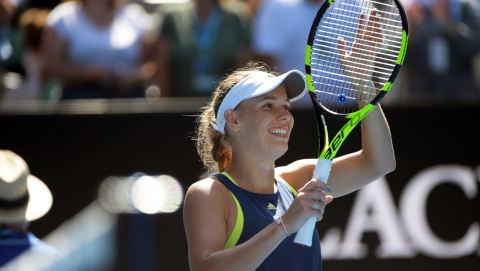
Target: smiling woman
(235, 220)
(246, 215)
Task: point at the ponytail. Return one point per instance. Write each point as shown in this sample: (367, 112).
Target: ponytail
(212, 146)
(221, 151)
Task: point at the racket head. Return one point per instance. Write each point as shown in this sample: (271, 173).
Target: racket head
(341, 85)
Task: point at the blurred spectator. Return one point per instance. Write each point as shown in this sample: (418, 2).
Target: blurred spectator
(198, 42)
(32, 23)
(280, 35)
(99, 49)
(254, 4)
(23, 198)
(444, 39)
(7, 10)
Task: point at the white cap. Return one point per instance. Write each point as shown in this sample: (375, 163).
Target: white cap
(259, 83)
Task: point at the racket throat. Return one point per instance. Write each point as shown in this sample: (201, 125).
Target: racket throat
(327, 143)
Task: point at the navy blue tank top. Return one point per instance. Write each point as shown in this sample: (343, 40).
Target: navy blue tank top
(257, 211)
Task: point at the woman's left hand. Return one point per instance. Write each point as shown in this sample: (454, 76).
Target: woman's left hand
(358, 64)
(302, 208)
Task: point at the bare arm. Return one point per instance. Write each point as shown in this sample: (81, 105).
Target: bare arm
(353, 171)
(206, 213)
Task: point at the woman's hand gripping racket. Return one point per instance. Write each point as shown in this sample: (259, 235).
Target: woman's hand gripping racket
(349, 84)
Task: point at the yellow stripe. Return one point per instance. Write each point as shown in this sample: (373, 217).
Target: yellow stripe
(238, 228)
(308, 55)
(403, 48)
(355, 118)
(387, 86)
(291, 188)
(230, 178)
(310, 83)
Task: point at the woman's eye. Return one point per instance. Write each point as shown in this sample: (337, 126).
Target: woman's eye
(268, 106)
(288, 107)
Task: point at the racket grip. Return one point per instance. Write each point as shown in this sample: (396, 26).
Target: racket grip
(305, 234)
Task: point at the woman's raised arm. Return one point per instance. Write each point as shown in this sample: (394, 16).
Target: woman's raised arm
(352, 171)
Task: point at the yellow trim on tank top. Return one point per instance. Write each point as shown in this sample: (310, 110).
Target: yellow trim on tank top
(238, 228)
(291, 188)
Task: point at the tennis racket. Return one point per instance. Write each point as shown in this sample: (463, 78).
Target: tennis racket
(355, 50)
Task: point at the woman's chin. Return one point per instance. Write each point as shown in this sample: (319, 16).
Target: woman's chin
(279, 151)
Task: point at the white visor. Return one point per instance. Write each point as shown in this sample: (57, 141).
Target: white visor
(259, 83)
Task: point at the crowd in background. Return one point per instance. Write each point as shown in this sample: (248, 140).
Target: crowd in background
(58, 50)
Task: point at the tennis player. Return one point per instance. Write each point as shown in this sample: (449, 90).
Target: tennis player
(246, 215)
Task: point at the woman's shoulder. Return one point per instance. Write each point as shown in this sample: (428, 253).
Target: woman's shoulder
(63, 10)
(136, 14)
(209, 189)
(133, 11)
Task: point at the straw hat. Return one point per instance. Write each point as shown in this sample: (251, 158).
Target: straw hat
(23, 197)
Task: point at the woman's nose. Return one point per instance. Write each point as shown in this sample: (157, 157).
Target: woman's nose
(285, 116)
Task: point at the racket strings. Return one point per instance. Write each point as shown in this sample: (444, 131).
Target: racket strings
(357, 91)
(329, 93)
(361, 69)
(338, 54)
(343, 86)
(343, 82)
(351, 77)
(348, 97)
(357, 58)
(366, 31)
(381, 3)
(358, 13)
(355, 24)
(369, 9)
(359, 49)
(359, 64)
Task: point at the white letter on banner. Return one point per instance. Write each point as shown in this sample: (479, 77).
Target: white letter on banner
(383, 219)
(413, 210)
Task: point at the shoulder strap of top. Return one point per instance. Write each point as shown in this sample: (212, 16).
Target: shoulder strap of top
(278, 178)
(228, 181)
(238, 228)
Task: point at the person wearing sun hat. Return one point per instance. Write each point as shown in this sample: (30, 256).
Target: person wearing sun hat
(23, 198)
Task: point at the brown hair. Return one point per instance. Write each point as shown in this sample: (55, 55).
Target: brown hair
(212, 146)
(32, 23)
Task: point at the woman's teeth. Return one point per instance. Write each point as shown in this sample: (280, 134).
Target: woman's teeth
(279, 131)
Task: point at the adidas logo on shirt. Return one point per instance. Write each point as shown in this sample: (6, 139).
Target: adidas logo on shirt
(271, 207)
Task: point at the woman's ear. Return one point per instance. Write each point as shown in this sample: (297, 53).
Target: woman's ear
(231, 118)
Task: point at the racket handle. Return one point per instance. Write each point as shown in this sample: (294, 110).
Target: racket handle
(305, 234)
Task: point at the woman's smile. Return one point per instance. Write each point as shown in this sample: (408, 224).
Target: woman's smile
(279, 131)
